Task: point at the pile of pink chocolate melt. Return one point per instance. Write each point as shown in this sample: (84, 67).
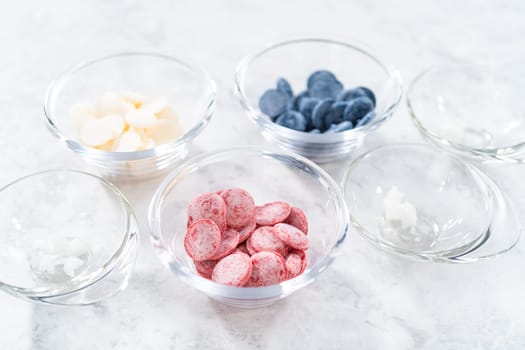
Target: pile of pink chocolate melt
(234, 242)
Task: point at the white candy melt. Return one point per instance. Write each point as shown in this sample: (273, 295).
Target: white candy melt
(128, 107)
(133, 98)
(81, 112)
(109, 103)
(59, 259)
(126, 122)
(155, 104)
(164, 131)
(169, 114)
(147, 144)
(130, 141)
(140, 118)
(399, 211)
(113, 122)
(98, 131)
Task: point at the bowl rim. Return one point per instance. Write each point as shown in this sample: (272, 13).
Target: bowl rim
(247, 293)
(268, 126)
(79, 283)
(55, 88)
(495, 153)
(473, 244)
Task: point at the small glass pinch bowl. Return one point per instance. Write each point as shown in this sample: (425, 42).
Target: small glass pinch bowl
(295, 60)
(189, 91)
(268, 177)
(426, 204)
(472, 109)
(67, 238)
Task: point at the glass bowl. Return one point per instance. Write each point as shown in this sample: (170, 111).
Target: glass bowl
(268, 177)
(67, 237)
(295, 60)
(471, 109)
(427, 204)
(189, 90)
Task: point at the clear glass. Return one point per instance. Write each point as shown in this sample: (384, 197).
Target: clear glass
(189, 90)
(458, 209)
(295, 60)
(268, 177)
(472, 109)
(68, 237)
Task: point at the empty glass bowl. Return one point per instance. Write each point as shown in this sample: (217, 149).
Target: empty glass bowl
(427, 204)
(67, 238)
(268, 177)
(295, 60)
(189, 90)
(472, 109)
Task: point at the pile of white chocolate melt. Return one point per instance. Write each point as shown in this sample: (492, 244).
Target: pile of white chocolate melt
(126, 122)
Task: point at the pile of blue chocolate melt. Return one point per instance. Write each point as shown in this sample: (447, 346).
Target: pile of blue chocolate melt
(325, 107)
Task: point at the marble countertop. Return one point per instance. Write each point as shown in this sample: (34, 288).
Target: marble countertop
(367, 299)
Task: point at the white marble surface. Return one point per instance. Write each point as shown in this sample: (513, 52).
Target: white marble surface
(367, 299)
